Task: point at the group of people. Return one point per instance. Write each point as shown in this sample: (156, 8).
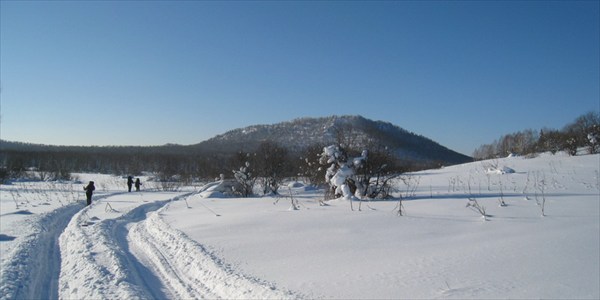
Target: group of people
(90, 188)
(130, 183)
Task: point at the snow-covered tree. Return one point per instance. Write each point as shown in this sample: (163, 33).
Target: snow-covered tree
(246, 180)
(359, 177)
(340, 172)
(352, 178)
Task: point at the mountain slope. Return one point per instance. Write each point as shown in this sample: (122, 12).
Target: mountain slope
(357, 131)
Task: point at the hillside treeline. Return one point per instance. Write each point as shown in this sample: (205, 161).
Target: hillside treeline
(57, 165)
(181, 163)
(584, 131)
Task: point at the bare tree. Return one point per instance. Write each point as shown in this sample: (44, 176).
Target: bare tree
(271, 165)
(374, 174)
(310, 168)
(345, 136)
(582, 127)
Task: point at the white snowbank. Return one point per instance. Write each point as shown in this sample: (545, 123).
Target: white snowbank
(439, 249)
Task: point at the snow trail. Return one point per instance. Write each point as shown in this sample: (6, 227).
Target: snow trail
(33, 273)
(137, 255)
(96, 258)
(189, 270)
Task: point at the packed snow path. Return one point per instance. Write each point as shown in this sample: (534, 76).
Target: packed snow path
(109, 251)
(34, 272)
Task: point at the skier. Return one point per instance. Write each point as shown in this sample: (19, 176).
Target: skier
(89, 190)
(137, 184)
(129, 183)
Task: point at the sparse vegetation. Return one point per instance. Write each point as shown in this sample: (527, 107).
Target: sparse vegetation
(478, 208)
(583, 132)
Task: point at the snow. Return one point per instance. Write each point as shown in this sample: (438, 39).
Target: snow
(503, 170)
(197, 243)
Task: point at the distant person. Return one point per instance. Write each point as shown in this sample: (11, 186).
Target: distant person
(89, 190)
(129, 183)
(137, 184)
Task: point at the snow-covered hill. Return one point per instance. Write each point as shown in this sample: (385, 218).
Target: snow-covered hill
(156, 244)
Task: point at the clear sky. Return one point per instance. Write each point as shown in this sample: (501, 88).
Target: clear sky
(150, 73)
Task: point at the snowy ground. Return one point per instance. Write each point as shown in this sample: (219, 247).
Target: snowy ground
(155, 244)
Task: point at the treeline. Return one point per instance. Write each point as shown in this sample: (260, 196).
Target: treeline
(583, 132)
(180, 163)
(58, 165)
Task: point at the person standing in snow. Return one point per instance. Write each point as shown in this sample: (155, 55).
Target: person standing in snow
(129, 183)
(89, 190)
(137, 184)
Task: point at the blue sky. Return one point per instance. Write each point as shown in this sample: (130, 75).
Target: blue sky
(150, 73)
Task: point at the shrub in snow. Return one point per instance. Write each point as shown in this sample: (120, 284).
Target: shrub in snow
(540, 185)
(295, 204)
(571, 146)
(245, 179)
(270, 165)
(375, 174)
(593, 139)
(501, 202)
(340, 172)
(353, 178)
(476, 207)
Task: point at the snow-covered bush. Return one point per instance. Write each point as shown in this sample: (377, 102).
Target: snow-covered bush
(245, 179)
(220, 188)
(354, 178)
(340, 174)
(571, 146)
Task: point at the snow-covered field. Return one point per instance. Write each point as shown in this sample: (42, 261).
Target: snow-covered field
(184, 245)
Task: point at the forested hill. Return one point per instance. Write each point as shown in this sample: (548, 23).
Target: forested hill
(217, 155)
(354, 131)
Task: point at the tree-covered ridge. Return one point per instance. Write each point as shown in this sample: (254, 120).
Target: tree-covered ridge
(219, 155)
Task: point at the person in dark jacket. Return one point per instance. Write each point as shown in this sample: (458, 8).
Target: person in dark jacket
(89, 190)
(129, 183)
(137, 184)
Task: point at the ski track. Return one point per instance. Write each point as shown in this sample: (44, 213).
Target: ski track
(139, 256)
(33, 273)
(189, 269)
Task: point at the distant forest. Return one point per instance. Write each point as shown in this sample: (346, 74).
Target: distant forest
(58, 162)
(583, 132)
(166, 163)
(188, 163)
